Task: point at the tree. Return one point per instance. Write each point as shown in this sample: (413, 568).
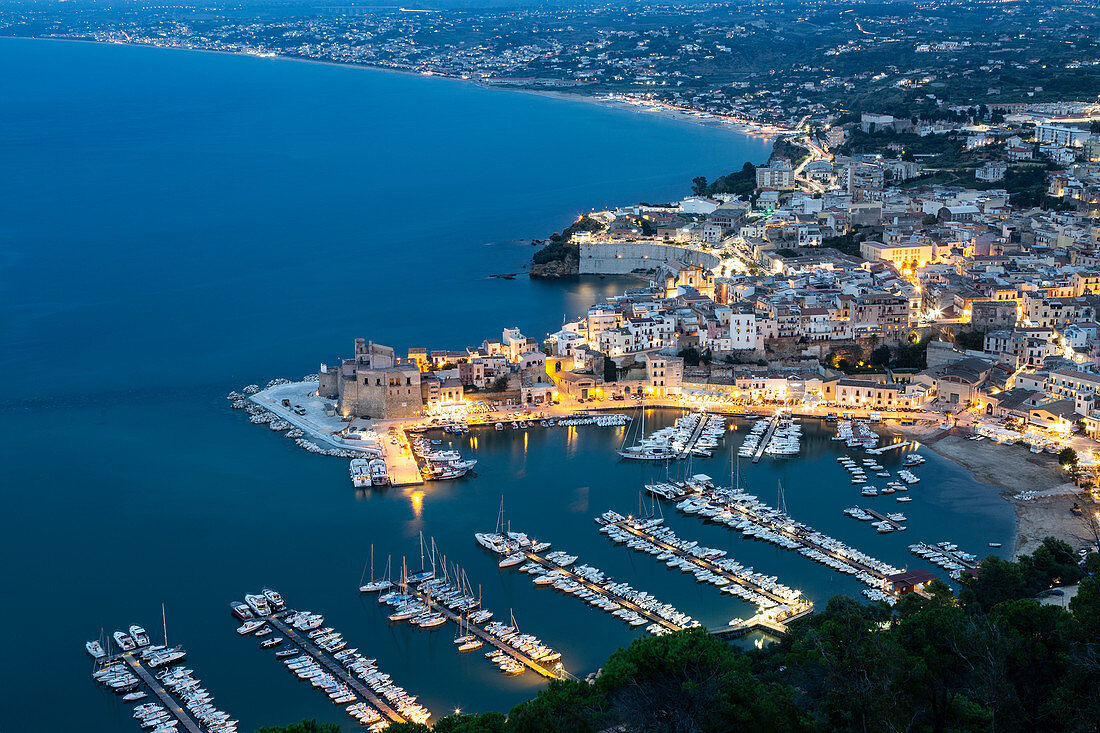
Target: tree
(699, 185)
(690, 355)
(610, 370)
(881, 355)
(974, 340)
(500, 384)
(306, 726)
(1067, 457)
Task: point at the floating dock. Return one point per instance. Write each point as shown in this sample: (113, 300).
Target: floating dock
(170, 703)
(801, 539)
(610, 595)
(699, 428)
(766, 439)
(485, 636)
(699, 562)
(337, 669)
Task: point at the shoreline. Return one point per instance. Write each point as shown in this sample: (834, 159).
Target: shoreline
(1014, 471)
(744, 129)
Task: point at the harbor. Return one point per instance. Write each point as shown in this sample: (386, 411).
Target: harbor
(428, 660)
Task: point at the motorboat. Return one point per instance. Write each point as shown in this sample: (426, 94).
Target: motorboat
(251, 625)
(138, 634)
(275, 599)
(258, 603)
(95, 649)
(241, 611)
(379, 475)
(125, 641)
(360, 472)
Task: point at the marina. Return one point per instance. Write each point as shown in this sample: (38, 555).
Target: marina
(321, 657)
(709, 565)
(755, 519)
(141, 668)
(587, 583)
(451, 599)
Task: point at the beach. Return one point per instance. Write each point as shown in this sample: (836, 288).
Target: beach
(1014, 469)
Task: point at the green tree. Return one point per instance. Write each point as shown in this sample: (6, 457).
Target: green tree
(881, 356)
(699, 185)
(500, 384)
(562, 707)
(306, 726)
(1067, 457)
(690, 355)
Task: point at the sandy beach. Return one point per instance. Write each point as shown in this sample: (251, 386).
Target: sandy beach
(1015, 469)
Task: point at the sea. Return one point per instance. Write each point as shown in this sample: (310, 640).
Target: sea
(175, 225)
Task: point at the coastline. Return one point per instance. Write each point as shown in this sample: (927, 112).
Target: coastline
(744, 129)
(1014, 470)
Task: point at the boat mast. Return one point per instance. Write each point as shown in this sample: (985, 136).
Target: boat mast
(164, 622)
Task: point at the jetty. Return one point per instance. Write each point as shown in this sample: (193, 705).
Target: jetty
(790, 534)
(553, 674)
(768, 621)
(172, 705)
(695, 434)
(883, 518)
(337, 669)
(772, 425)
(627, 525)
(609, 594)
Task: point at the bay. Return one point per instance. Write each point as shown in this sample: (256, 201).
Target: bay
(174, 225)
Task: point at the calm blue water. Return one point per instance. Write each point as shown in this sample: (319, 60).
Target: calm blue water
(174, 225)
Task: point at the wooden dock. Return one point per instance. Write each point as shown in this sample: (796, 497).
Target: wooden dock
(625, 603)
(700, 562)
(170, 703)
(337, 669)
(766, 439)
(485, 636)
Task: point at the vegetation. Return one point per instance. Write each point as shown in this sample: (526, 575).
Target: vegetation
(792, 151)
(1067, 457)
(558, 248)
(740, 183)
(692, 356)
(973, 340)
(306, 726)
(500, 384)
(991, 659)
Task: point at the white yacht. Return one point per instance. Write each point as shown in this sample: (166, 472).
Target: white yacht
(360, 472)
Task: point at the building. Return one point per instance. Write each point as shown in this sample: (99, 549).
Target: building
(1058, 135)
(780, 175)
(373, 384)
(917, 254)
(992, 171)
(910, 581)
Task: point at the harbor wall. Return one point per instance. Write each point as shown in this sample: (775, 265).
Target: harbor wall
(624, 258)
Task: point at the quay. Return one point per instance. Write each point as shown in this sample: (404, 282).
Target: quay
(625, 524)
(624, 602)
(170, 703)
(485, 636)
(883, 518)
(767, 438)
(335, 668)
